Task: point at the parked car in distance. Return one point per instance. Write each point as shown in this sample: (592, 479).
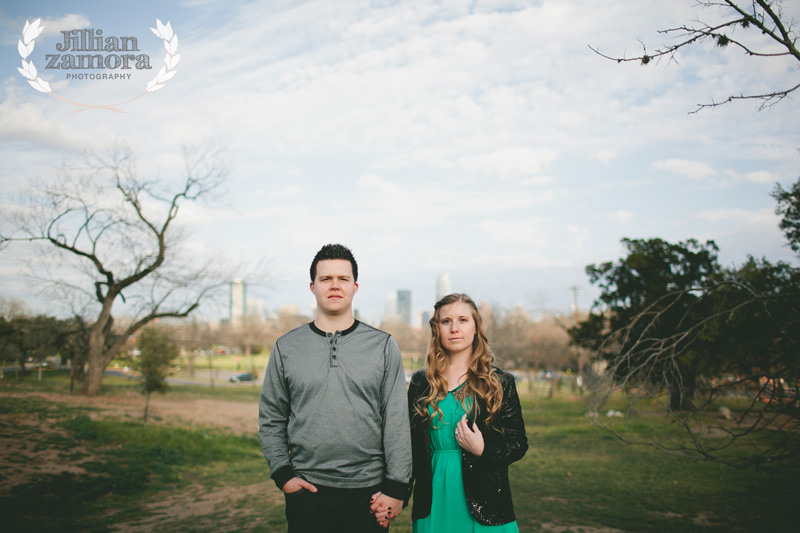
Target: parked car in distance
(240, 378)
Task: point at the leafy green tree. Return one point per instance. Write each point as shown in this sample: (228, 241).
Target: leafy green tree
(669, 319)
(9, 346)
(154, 362)
(789, 206)
(29, 339)
(645, 298)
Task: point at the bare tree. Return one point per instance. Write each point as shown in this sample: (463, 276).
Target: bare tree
(742, 21)
(112, 235)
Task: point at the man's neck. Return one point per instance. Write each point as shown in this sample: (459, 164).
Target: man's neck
(331, 324)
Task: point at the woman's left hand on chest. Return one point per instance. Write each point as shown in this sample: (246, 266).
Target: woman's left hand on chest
(469, 438)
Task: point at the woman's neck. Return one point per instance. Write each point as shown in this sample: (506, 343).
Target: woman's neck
(457, 369)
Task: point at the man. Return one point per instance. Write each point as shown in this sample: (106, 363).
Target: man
(333, 413)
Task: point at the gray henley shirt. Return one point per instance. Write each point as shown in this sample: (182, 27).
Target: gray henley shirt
(333, 410)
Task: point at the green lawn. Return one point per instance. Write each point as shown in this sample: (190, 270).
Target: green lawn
(575, 477)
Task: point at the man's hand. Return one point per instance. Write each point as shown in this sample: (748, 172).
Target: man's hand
(385, 508)
(296, 484)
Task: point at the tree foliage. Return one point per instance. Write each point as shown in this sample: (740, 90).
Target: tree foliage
(788, 205)
(679, 332)
(744, 25)
(29, 339)
(645, 299)
(154, 361)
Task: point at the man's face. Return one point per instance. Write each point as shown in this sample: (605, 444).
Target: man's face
(334, 286)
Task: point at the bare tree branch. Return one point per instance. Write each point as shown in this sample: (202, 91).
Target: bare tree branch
(106, 221)
(764, 16)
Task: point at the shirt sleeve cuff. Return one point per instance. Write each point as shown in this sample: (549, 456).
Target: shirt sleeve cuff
(396, 489)
(282, 475)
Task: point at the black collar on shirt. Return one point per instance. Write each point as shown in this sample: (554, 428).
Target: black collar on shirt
(318, 331)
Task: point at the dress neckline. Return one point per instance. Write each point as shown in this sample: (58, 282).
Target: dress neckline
(451, 391)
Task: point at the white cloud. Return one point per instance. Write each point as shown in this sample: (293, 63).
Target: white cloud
(518, 233)
(30, 123)
(510, 162)
(691, 169)
(758, 176)
(54, 26)
(603, 156)
(762, 217)
(621, 216)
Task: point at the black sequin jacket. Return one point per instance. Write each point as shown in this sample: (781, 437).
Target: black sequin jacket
(485, 477)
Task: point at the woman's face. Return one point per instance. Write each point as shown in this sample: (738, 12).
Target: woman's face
(456, 328)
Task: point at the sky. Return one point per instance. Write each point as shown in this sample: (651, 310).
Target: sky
(484, 140)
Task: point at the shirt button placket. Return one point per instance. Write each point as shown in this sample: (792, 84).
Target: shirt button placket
(334, 342)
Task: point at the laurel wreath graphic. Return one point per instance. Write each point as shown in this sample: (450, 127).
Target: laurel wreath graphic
(163, 31)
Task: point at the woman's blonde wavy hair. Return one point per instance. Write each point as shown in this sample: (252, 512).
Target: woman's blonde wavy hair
(482, 382)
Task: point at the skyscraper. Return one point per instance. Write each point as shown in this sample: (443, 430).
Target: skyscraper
(404, 305)
(443, 287)
(238, 299)
(391, 306)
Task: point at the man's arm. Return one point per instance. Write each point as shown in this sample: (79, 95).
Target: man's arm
(396, 430)
(273, 420)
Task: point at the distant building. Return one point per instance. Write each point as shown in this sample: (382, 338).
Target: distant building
(426, 318)
(404, 305)
(443, 286)
(391, 306)
(238, 309)
(254, 310)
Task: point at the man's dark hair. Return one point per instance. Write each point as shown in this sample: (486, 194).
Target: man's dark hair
(334, 251)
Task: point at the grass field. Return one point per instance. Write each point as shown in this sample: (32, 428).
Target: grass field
(86, 468)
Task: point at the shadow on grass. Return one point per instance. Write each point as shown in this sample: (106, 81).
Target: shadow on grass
(129, 461)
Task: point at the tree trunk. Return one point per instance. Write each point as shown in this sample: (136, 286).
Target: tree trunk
(680, 398)
(94, 377)
(146, 406)
(97, 359)
(211, 369)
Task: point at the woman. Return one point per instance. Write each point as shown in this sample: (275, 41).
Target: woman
(466, 428)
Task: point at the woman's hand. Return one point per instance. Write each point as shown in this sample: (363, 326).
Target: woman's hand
(471, 439)
(385, 508)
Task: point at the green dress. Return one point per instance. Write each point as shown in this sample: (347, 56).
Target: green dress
(449, 511)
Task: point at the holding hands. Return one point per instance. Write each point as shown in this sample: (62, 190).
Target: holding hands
(385, 508)
(471, 439)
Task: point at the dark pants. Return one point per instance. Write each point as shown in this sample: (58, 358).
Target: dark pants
(331, 510)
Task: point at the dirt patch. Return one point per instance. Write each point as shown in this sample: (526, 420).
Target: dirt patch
(36, 446)
(238, 417)
(191, 505)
